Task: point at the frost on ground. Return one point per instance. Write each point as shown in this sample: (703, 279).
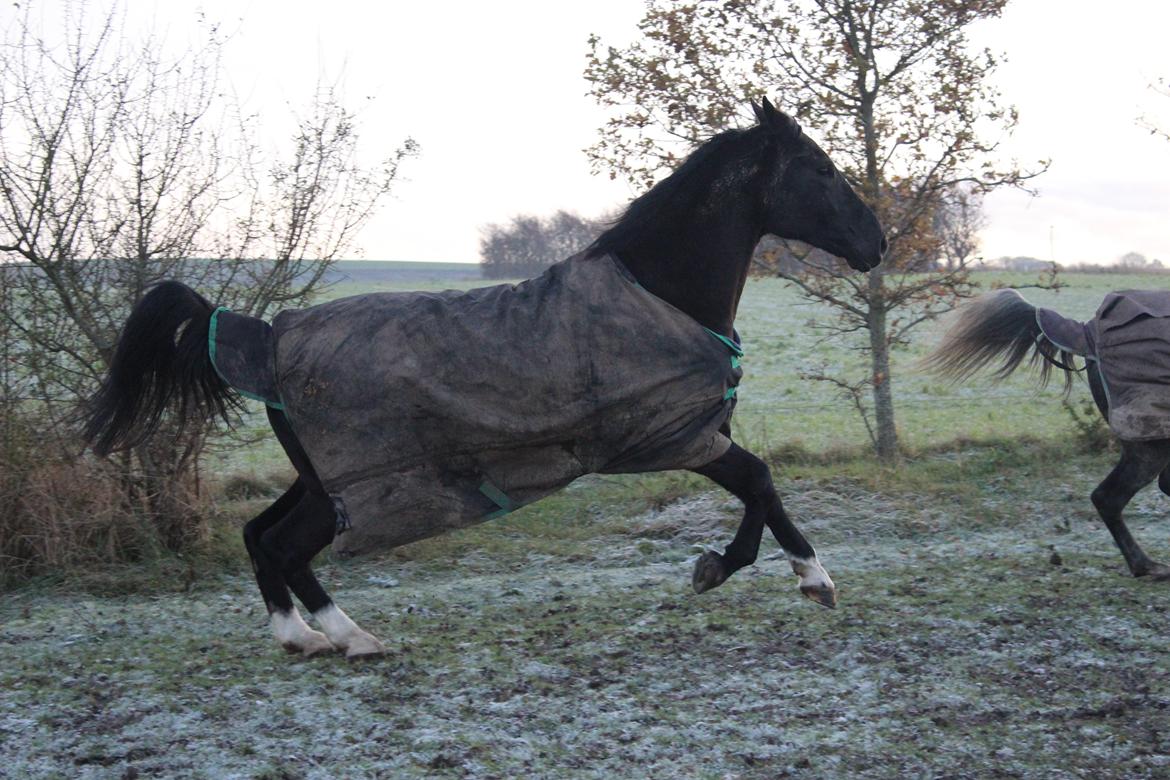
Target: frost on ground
(996, 638)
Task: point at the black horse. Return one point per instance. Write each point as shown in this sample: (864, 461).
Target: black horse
(1124, 346)
(688, 241)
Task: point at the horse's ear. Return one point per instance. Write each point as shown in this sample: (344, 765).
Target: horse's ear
(759, 112)
(775, 120)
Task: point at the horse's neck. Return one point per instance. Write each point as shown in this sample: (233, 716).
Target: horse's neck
(701, 270)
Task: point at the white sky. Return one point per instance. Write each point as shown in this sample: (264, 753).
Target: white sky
(494, 94)
(1079, 72)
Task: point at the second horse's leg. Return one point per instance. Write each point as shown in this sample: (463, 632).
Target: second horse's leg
(1140, 463)
(749, 479)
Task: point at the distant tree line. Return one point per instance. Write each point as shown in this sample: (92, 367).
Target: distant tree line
(528, 244)
(1129, 263)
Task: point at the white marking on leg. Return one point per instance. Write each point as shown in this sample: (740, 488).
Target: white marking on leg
(346, 634)
(811, 572)
(815, 582)
(294, 633)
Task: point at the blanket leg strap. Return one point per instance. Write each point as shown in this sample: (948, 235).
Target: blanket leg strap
(497, 497)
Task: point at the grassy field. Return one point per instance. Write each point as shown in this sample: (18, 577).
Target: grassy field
(986, 628)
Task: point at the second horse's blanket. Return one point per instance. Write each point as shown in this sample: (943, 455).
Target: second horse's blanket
(1129, 338)
(423, 412)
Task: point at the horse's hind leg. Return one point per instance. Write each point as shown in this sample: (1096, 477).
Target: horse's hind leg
(750, 480)
(287, 624)
(1140, 463)
(291, 544)
(297, 539)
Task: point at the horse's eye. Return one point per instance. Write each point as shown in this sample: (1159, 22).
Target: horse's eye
(825, 170)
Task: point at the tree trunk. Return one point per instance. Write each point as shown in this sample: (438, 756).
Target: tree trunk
(886, 443)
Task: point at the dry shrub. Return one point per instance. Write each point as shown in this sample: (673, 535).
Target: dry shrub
(250, 486)
(1090, 430)
(61, 513)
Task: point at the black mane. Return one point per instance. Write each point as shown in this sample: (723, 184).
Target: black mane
(669, 197)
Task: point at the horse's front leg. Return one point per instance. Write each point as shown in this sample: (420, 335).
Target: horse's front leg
(749, 479)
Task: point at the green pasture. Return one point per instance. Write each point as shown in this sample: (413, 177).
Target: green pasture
(987, 628)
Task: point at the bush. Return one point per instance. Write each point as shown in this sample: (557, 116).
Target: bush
(1090, 429)
(62, 513)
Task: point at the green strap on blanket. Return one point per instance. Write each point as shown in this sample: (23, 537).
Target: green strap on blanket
(738, 353)
(211, 337)
(211, 330)
(497, 497)
(736, 348)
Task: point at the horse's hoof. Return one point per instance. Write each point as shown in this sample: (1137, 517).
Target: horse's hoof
(364, 646)
(310, 644)
(815, 583)
(709, 572)
(1157, 572)
(822, 594)
(317, 644)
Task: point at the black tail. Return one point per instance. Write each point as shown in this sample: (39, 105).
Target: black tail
(997, 324)
(161, 362)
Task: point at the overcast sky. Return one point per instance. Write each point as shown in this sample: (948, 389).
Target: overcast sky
(494, 94)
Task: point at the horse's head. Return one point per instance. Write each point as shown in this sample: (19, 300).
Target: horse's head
(808, 199)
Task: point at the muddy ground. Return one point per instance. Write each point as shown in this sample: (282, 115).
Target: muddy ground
(988, 632)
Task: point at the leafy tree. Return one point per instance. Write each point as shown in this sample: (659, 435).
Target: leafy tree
(890, 88)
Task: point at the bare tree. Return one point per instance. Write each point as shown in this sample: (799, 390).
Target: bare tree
(1157, 124)
(120, 166)
(956, 221)
(890, 87)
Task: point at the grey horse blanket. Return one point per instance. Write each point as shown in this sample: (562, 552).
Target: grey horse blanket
(1129, 339)
(423, 412)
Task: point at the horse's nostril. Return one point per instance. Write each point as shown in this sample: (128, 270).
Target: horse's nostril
(885, 245)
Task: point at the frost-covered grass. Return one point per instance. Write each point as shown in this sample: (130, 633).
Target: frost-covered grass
(986, 628)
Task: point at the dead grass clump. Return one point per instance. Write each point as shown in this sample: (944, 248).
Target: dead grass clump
(58, 515)
(63, 514)
(245, 487)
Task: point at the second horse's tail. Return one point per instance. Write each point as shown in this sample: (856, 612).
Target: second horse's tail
(161, 362)
(998, 326)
